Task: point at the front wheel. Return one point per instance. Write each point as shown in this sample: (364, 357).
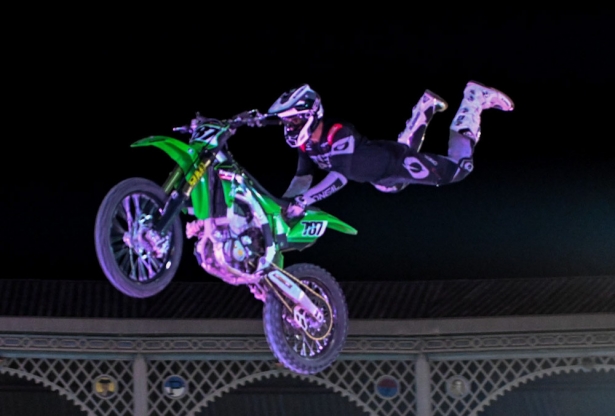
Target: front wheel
(308, 351)
(137, 261)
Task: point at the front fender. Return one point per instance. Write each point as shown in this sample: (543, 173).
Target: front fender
(182, 153)
(185, 155)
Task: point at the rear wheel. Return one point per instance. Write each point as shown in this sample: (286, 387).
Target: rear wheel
(136, 260)
(308, 351)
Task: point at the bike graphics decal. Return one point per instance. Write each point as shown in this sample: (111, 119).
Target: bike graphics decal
(314, 228)
(198, 173)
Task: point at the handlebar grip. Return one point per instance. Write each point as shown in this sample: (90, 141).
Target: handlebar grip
(183, 129)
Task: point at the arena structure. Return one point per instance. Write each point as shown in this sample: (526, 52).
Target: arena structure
(539, 346)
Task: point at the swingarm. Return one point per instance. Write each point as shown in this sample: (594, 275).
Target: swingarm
(293, 291)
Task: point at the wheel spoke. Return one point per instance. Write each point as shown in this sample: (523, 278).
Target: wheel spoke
(136, 201)
(149, 208)
(133, 265)
(308, 343)
(131, 246)
(148, 265)
(121, 255)
(143, 272)
(127, 212)
(303, 352)
(156, 264)
(123, 258)
(117, 227)
(302, 343)
(117, 240)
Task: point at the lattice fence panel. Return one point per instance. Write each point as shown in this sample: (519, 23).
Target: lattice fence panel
(208, 380)
(203, 378)
(462, 388)
(359, 378)
(76, 379)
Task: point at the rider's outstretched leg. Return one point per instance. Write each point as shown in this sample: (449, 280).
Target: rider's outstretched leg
(415, 167)
(422, 113)
(465, 128)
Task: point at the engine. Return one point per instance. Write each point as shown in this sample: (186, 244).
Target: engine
(232, 247)
(242, 251)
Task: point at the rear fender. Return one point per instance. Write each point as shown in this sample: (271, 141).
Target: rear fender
(314, 224)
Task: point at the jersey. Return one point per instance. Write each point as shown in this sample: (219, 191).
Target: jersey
(342, 149)
(388, 165)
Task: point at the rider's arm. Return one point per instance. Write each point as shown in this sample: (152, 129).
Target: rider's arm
(332, 183)
(303, 177)
(342, 140)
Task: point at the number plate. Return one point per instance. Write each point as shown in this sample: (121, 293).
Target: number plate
(314, 228)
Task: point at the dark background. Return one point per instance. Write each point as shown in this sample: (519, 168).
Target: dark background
(540, 203)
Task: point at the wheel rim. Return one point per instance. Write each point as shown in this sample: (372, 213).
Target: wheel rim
(295, 336)
(140, 253)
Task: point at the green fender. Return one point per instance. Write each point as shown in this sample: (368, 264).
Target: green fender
(185, 155)
(314, 224)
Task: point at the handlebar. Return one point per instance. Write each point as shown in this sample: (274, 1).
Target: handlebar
(252, 118)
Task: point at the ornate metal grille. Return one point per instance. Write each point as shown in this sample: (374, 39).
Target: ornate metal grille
(76, 380)
(208, 380)
(463, 375)
(466, 387)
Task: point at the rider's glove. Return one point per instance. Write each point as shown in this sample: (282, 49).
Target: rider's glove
(296, 208)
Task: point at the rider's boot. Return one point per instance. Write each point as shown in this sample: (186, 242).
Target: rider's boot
(476, 98)
(422, 113)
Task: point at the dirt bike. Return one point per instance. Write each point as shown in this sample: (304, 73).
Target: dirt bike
(241, 233)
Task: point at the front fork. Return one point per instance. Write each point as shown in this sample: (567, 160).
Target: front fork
(173, 178)
(177, 200)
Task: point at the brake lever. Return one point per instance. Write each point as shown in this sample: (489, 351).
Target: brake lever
(183, 129)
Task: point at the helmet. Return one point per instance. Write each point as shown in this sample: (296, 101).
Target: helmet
(301, 111)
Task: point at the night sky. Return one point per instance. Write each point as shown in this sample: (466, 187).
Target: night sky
(540, 203)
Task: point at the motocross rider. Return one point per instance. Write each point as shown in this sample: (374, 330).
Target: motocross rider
(338, 148)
